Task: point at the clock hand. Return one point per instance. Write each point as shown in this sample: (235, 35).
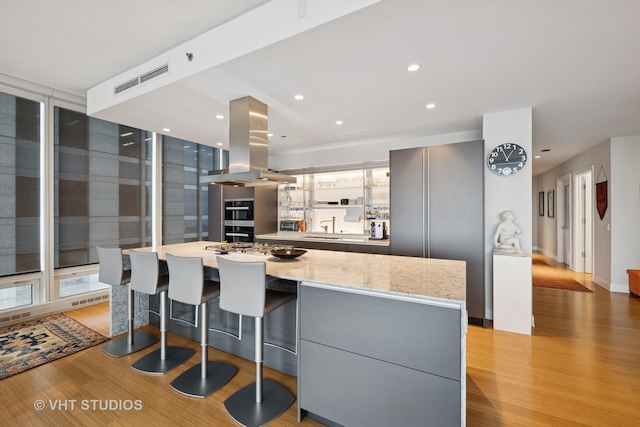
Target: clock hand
(507, 157)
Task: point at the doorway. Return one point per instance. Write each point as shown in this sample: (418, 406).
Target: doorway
(582, 229)
(563, 224)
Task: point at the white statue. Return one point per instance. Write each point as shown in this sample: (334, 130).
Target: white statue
(505, 240)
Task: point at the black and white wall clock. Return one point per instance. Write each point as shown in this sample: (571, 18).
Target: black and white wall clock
(507, 159)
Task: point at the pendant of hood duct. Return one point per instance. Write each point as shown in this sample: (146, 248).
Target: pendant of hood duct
(248, 148)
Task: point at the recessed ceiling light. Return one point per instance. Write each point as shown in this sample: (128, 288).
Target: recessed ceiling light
(219, 144)
(339, 122)
(299, 97)
(413, 67)
(430, 106)
(536, 157)
(166, 130)
(219, 116)
(126, 134)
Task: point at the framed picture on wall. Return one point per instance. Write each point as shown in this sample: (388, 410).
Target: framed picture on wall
(550, 212)
(541, 203)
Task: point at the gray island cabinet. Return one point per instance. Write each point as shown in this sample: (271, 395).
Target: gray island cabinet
(380, 339)
(368, 359)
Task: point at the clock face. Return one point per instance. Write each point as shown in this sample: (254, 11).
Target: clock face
(507, 159)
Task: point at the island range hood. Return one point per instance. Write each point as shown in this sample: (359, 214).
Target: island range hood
(248, 148)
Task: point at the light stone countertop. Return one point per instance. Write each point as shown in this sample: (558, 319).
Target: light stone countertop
(423, 278)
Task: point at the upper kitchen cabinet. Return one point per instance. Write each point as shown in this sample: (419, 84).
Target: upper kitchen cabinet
(344, 202)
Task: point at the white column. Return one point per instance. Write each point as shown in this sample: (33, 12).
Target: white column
(513, 192)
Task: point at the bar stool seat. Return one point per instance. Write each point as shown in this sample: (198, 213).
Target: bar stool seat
(243, 291)
(146, 279)
(112, 273)
(188, 286)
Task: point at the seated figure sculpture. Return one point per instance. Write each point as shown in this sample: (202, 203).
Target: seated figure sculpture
(505, 240)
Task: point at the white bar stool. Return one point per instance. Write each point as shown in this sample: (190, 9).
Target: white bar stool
(243, 291)
(188, 286)
(146, 279)
(112, 273)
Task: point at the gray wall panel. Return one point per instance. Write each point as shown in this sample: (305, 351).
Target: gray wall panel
(407, 200)
(456, 213)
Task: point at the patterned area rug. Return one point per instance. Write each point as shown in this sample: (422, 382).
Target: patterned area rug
(546, 276)
(26, 345)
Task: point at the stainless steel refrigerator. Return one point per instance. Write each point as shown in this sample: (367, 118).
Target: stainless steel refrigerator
(437, 210)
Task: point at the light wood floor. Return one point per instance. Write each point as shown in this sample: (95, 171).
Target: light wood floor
(580, 367)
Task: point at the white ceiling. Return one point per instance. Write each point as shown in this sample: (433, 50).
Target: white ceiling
(575, 62)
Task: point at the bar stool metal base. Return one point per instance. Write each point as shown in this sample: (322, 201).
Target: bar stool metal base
(243, 408)
(152, 364)
(121, 347)
(191, 383)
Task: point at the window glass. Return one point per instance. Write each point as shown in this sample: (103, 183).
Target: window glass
(185, 209)
(19, 185)
(102, 187)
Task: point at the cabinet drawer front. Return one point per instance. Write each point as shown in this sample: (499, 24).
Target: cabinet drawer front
(355, 390)
(419, 336)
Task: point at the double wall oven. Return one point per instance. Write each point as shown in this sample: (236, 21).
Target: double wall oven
(239, 221)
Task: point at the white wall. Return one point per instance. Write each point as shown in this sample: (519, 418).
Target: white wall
(624, 203)
(359, 152)
(598, 157)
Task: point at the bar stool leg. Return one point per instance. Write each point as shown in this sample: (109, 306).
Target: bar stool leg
(204, 339)
(133, 341)
(261, 402)
(208, 376)
(165, 358)
(259, 357)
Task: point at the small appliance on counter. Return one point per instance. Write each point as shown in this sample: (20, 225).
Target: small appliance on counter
(378, 230)
(293, 225)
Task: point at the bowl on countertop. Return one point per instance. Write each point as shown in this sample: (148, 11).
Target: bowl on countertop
(288, 253)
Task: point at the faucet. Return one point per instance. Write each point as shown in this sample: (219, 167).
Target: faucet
(333, 224)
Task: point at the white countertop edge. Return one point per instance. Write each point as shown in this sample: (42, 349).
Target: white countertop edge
(420, 299)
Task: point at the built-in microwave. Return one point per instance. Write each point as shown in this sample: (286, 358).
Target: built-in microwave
(238, 210)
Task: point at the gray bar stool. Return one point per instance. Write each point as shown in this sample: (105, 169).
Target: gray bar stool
(243, 291)
(112, 273)
(188, 286)
(146, 279)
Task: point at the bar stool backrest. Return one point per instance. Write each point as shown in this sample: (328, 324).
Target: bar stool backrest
(186, 279)
(144, 272)
(111, 266)
(242, 287)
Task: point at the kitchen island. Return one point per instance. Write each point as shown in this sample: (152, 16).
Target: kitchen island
(380, 339)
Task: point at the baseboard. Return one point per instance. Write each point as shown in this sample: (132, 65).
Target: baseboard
(619, 288)
(547, 253)
(600, 282)
(40, 310)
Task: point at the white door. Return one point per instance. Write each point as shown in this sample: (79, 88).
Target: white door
(566, 226)
(583, 222)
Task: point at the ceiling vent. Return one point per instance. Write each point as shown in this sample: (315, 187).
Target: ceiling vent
(154, 73)
(142, 78)
(124, 86)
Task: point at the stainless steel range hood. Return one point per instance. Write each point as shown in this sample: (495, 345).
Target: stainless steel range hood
(248, 148)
